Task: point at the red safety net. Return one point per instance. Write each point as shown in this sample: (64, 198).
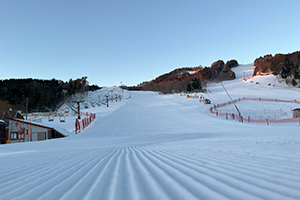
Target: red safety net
(234, 116)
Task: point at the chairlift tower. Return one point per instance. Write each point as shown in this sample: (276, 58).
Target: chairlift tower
(106, 100)
(111, 95)
(78, 107)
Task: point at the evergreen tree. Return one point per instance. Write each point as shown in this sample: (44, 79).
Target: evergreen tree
(189, 88)
(287, 67)
(195, 84)
(42, 95)
(297, 72)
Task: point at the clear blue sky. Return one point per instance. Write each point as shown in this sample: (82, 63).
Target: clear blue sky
(137, 40)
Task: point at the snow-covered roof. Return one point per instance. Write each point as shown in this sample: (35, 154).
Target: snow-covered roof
(69, 105)
(37, 124)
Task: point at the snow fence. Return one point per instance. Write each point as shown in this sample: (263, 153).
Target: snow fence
(81, 124)
(242, 119)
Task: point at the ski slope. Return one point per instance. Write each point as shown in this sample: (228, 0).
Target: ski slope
(161, 147)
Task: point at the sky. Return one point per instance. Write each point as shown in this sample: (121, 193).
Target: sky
(134, 41)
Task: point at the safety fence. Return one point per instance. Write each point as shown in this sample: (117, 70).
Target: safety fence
(242, 119)
(86, 114)
(81, 124)
(128, 97)
(191, 96)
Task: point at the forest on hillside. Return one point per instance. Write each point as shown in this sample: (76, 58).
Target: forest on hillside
(40, 95)
(189, 79)
(192, 79)
(284, 66)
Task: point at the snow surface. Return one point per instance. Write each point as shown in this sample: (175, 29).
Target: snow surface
(162, 147)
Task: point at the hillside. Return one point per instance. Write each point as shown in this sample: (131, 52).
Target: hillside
(285, 66)
(154, 146)
(178, 80)
(39, 95)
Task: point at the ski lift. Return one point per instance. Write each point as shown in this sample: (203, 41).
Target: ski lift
(50, 118)
(62, 118)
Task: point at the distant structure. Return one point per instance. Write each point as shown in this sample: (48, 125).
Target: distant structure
(66, 109)
(296, 113)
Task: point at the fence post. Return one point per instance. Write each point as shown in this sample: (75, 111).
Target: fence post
(226, 116)
(249, 118)
(267, 121)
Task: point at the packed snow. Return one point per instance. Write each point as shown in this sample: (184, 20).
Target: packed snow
(153, 146)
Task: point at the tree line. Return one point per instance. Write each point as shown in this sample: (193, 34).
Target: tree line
(40, 95)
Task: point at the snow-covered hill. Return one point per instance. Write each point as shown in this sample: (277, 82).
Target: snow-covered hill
(162, 147)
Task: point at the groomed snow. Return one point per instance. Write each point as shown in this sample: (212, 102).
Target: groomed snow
(162, 147)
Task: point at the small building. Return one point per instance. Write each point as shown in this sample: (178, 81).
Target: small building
(296, 112)
(66, 109)
(26, 131)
